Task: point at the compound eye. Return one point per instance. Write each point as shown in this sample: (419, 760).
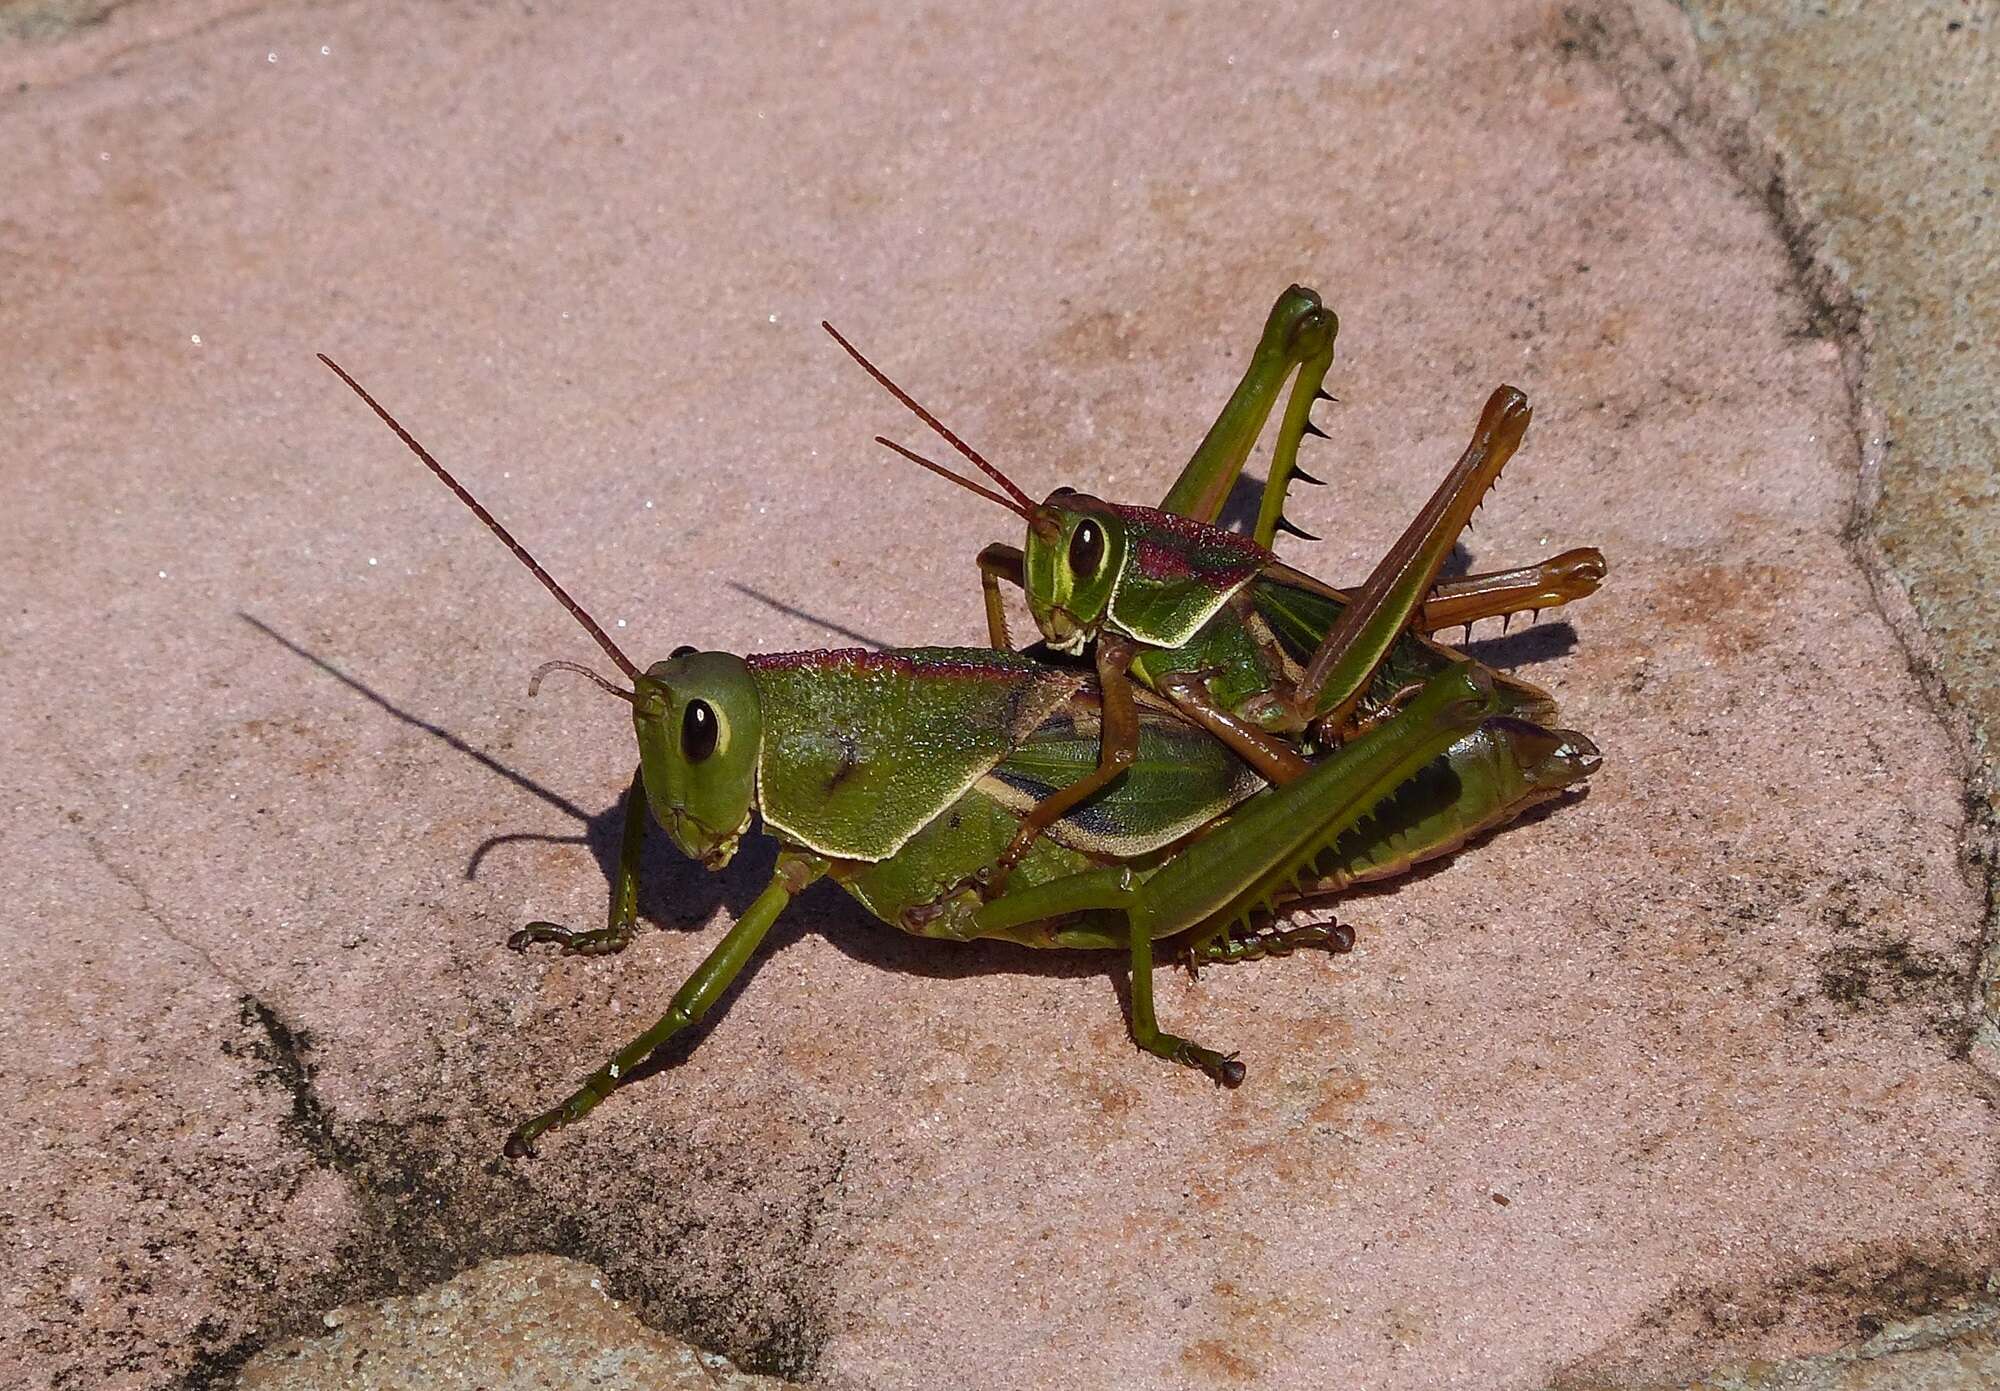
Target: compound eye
(1086, 549)
(698, 731)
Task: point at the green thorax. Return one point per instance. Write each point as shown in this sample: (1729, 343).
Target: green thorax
(1176, 571)
(862, 749)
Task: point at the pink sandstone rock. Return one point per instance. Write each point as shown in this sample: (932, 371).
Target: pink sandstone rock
(520, 1323)
(1669, 1076)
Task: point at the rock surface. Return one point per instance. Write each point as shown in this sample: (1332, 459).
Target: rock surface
(509, 1325)
(1674, 1076)
(1898, 195)
(1956, 1351)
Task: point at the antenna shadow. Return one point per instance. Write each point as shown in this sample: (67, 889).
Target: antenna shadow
(677, 894)
(792, 611)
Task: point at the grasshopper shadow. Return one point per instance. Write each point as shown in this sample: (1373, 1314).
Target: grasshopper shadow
(860, 936)
(1524, 647)
(771, 601)
(677, 894)
(674, 893)
(826, 911)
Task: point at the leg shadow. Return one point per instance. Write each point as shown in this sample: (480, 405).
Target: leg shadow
(674, 892)
(1524, 647)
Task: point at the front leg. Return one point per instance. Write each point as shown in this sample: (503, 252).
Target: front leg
(997, 563)
(1118, 746)
(1222, 1068)
(697, 994)
(1114, 889)
(1274, 760)
(616, 935)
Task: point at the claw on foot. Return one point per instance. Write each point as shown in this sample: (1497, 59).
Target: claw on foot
(521, 1144)
(1331, 937)
(1221, 1069)
(600, 941)
(538, 932)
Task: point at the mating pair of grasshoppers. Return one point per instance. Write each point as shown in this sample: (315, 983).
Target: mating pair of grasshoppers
(1204, 736)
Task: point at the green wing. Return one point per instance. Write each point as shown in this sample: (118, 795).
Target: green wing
(1180, 780)
(863, 749)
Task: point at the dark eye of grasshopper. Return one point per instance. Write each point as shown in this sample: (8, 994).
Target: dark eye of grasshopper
(1086, 549)
(698, 731)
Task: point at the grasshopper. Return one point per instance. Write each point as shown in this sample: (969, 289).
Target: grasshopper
(903, 775)
(1267, 658)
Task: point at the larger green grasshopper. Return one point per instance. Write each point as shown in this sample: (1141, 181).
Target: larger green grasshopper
(903, 775)
(1268, 659)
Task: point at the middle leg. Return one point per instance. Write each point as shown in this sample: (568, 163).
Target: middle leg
(616, 934)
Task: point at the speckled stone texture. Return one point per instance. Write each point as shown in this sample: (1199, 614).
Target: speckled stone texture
(520, 1324)
(1902, 193)
(1671, 1077)
(1958, 1350)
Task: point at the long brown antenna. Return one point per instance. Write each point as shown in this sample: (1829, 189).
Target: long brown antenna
(520, 551)
(1027, 504)
(535, 679)
(966, 483)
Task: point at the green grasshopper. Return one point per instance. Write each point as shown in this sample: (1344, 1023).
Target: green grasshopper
(1269, 660)
(903, 775)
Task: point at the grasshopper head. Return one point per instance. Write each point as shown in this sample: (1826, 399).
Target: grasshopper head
(700, 727)
(1076, 549)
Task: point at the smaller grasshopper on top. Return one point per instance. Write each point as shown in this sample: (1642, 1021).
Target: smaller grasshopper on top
(1202, 615)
